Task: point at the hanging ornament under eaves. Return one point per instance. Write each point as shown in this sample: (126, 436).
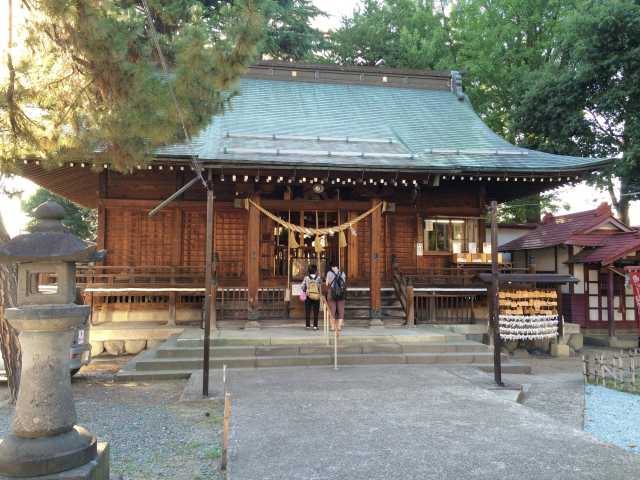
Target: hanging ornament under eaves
(318, 244)
(293, 244)
(342, 239)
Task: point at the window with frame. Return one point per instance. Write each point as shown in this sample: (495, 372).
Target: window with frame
(451, 235)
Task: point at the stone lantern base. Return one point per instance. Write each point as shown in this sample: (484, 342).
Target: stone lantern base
(96, 469)
(23, 457)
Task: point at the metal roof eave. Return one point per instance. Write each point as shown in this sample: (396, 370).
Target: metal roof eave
(222, 162)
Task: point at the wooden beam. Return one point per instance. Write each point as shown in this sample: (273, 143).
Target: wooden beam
(315, 205)
(253, 259)
(375, 275)
(139, 203)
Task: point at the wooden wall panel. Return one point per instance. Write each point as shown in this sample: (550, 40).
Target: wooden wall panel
(401, 240)
(363, 229)
(133, 238)
(143, 184)
(230, 227)
(427, 263)
(156, 238)
(194, 226)
(118, 239)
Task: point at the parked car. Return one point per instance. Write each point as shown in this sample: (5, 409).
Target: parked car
(79, 354)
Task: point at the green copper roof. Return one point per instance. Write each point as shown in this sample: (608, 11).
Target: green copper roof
(328, 125)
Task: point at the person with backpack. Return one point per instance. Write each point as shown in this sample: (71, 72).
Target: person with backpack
(336, 295)
(312, 286)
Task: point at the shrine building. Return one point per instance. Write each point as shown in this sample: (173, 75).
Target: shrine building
(316, 146)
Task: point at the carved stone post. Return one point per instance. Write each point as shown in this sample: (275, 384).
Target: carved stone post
(45, 439)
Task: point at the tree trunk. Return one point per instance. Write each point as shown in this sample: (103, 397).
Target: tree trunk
(621, 203)
(9, 344)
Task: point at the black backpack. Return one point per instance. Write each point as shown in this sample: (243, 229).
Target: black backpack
(338, 287)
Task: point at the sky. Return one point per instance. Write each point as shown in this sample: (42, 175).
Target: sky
(578, 198)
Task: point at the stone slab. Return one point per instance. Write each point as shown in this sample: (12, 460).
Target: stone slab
(616, 342)
(402, 422)
(97, 469)
(132, 331)
(192, 392)
(513, 394)
(560, 350)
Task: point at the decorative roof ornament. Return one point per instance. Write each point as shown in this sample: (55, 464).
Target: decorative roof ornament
(456, 84)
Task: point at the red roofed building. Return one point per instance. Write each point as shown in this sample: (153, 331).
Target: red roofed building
(595, 247)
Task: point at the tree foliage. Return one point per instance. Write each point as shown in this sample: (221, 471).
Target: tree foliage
(89, 79)
(528, 209)
(587, 100)
(498, 45)
(290, 35)
(405, 33)
(81, 221)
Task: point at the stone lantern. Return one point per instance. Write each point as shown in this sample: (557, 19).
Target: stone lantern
(45, 439)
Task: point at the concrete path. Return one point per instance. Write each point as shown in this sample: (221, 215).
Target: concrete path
(402, 422)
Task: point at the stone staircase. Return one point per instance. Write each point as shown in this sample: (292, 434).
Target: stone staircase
(357, 307)
(179, 356)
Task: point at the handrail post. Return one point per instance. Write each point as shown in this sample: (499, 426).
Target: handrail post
(411, 320)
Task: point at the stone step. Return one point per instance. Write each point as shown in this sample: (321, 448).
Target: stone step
(319, 340)
(158, 375)
(271, 350)
(181, 364)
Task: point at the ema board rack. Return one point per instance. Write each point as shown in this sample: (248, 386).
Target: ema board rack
(528, 302)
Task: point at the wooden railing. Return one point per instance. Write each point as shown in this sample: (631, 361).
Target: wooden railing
(443, 308)
(431, 297)
(404, 291)
(139, 276)
(154, 276)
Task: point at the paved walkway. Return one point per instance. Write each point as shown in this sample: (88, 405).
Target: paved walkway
(402, 422)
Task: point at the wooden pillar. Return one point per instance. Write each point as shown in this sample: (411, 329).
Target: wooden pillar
(610, 310)
(560, 307)
(102, 226)
(253, 264)
(352, 251)
(375, 276)
(572, 286)
(208, 274)
(494, 302)
(172, 310)
(176, 256)
(103, 192)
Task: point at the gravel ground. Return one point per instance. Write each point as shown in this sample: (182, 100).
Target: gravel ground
(613, 416)
(151, 436)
